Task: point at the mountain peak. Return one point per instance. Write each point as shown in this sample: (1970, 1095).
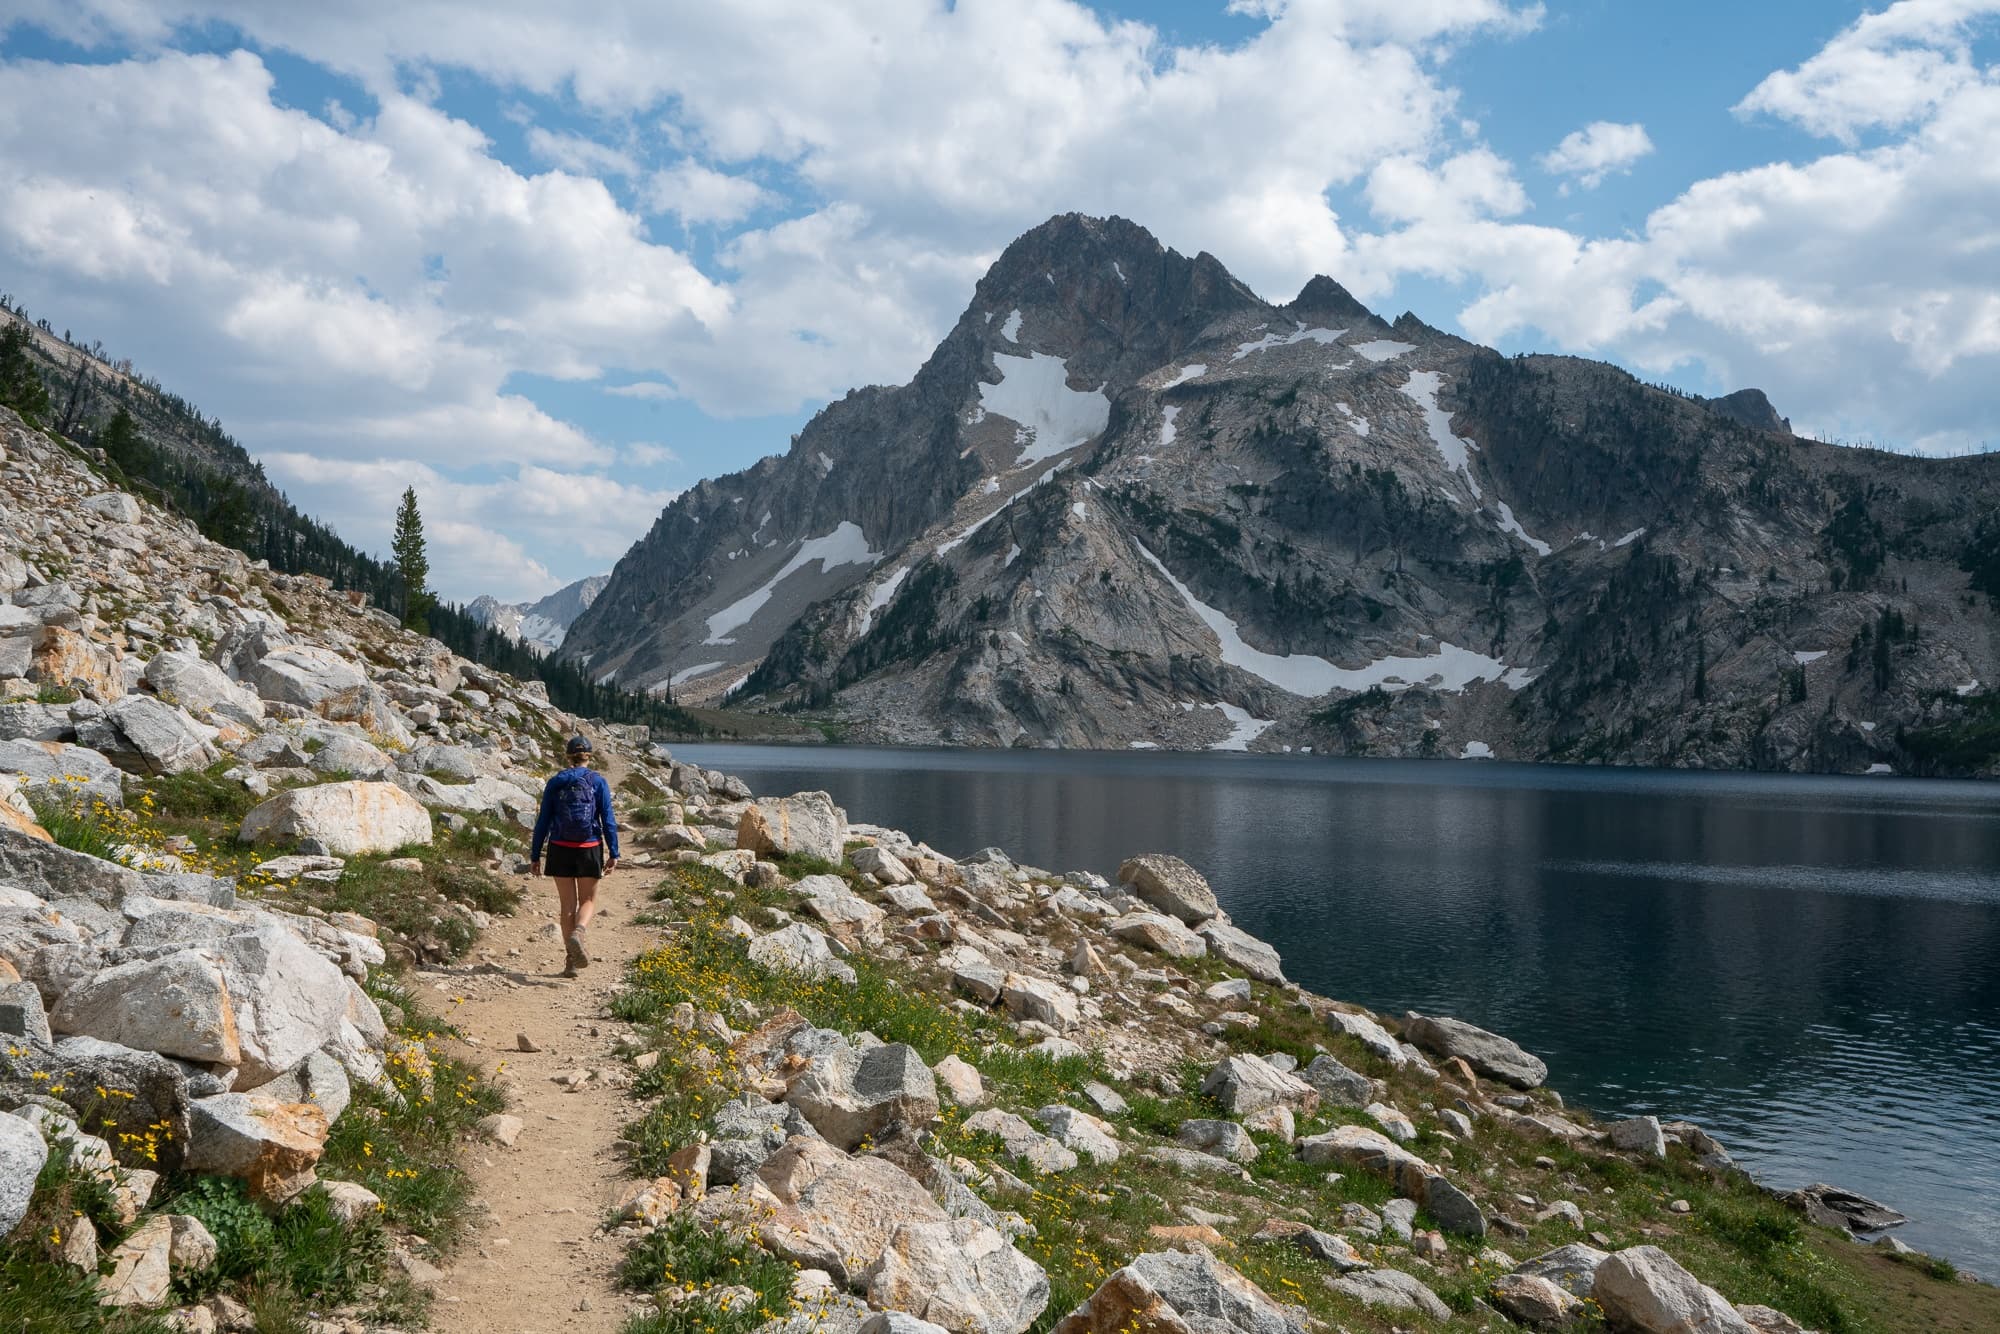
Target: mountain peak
(1325, 300)
(1752, 408)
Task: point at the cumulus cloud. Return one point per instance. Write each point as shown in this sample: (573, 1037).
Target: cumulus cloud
(517, 538)
(1600, 149)
(1889, 70)
(697, 194)
(1859, 288)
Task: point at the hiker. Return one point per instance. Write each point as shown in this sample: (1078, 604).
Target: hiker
(579, 829)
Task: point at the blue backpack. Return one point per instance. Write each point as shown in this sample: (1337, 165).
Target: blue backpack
(573, 803)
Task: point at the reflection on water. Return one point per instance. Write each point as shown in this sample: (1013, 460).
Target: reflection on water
(1805, 965)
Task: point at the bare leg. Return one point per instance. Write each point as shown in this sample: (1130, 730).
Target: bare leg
(566, 892)
(586, 902)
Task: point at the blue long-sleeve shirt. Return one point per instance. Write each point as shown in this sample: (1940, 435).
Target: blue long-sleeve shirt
(607, 823)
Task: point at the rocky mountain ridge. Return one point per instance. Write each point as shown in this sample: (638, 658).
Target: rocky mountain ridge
(540, 625)
(1127, 503)
(172, 1009)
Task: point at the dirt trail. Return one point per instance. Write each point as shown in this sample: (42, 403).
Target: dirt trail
(535, 1261)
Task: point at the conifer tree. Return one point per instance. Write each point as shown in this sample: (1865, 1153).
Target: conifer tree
(21, 386)
(413, 564)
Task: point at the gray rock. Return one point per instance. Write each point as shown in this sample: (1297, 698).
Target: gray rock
(1171, 885)
(895, 1322)
(1640, 1134)
(1487, 1053)
(960, 1274)
(343, 754)
(1242, 950)
(271, 1145)
(201, 687)
(1399, 1218)
(288, 1000)
(22, 1016)
(973, 974)
(27, 721)
(1535, 1302)
(851, 1096)
(22, 1153)
(1224, 1139)
(1644, 1289)
(1193, 1161)
(1243, 1083)
(63, 770)
(1368, 1033)
(1338, 1085)
(1206, 1295)
(1390, 1289)
(1023, 1142)
(106, 1084)
(1105, 1099)
(319, 1079)
(807, 823)
(1160, 933)
(1039, 999)
(178, 1005)
(828, 898)
(884, 865)
(1080, 1131)
(1830, 1206)
(344, 819)
(1453, 1208)
(803, 949)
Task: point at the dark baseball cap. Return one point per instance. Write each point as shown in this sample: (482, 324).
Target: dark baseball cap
(577, 746)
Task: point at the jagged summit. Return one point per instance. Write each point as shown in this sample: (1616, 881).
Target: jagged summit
(1129, 503)
(1752, 408)
(1324, 299)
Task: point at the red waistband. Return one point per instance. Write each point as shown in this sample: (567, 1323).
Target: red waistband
(558, 843)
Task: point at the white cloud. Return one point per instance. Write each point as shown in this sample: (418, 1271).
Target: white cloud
(1859, 288)
(698, 194)
(645, 454)
(580, 155)
(517, 538)
(647, 389)
(1600, 149)
(1889, 70)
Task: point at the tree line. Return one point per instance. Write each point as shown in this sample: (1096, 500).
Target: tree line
(248, 513)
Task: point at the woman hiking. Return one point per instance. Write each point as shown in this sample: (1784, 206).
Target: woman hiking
(578, 828)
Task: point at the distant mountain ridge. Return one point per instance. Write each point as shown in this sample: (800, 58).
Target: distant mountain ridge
(1127, 503)
(539, 625)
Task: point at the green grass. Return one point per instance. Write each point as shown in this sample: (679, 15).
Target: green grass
(36, 1295)
(77, 823)
(202, 795)
(692, 1257)
(416, 906)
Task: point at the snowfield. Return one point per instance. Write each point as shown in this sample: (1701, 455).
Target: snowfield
(1422, 389)
(1324, 337)
(845, 545)
(1384, 349)
(1034, 394)
(1451, 668)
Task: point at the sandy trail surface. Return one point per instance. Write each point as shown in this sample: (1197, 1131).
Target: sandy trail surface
(536, 1259)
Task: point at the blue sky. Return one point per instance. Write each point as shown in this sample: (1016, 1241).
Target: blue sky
(551, 270)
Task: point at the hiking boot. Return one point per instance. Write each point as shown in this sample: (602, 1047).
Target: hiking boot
(574, 951)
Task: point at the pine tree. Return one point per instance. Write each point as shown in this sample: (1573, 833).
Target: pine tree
(413, 565)
(21, 386)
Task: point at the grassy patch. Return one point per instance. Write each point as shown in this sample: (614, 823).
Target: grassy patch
(696, 1260)
(428, 908)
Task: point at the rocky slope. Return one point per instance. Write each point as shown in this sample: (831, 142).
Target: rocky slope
(917, 1093)
(1128, 503)
(172, 1003)
(540, 625)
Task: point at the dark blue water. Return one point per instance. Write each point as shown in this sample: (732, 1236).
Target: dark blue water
(1810, 967)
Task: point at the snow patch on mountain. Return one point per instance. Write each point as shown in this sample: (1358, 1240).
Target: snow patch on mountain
(1422, 389)
(1509, 524)
(1034, 394)
(1325, 337)
(845, 545)
(1450, 669)
(1190, 372)
(1384, 349)
(1011, 330)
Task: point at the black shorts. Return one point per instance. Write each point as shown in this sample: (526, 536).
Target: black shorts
(575, 863)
